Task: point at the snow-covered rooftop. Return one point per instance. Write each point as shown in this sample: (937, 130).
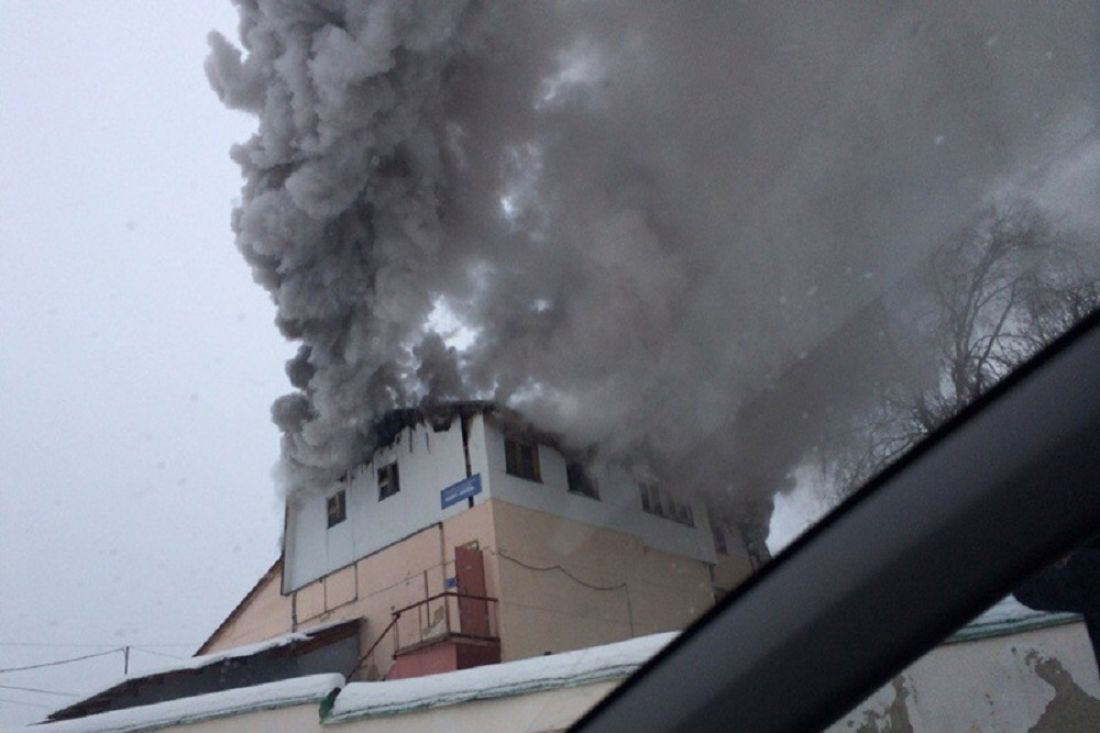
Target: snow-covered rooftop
(248, 650)
(284, 693)
(584, 666)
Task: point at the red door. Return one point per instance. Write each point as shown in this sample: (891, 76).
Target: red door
(473, 613)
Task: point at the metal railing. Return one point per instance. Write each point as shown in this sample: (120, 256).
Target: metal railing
(445, 615)
(437, 617)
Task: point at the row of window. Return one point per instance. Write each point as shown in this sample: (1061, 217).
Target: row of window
(521, 459)
(389, 483)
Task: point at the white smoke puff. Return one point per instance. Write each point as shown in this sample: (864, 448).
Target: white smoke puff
(650, 211)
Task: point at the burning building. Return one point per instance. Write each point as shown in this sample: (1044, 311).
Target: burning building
(469, 538)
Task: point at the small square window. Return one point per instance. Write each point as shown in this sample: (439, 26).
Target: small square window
(521, 459)
(337, 505)
(388, 481)
(581, 482)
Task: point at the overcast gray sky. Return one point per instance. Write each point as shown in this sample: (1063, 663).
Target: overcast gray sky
(137, 358)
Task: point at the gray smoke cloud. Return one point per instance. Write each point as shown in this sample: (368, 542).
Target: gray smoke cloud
(654, 221)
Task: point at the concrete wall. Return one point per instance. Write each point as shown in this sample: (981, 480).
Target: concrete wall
(547, 711)
(1038, 681)
(289, 719)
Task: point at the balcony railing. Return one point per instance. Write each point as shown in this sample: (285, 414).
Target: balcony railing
(445, 615)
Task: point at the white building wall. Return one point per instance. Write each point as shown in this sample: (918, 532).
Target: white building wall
(618, 507)
(427, 462)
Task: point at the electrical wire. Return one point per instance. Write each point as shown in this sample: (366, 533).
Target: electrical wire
(621, 586)
(40, 691)
(157, 654)
(50, 644)
(28, 704)
(61, 661)
(90, 646)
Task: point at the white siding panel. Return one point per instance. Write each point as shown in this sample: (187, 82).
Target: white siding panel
(427, 462)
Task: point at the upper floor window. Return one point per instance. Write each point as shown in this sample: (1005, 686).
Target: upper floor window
(337, 506)
(521, 458)
(388, 481)
(581, 482)
(660, 503)
(719, 539)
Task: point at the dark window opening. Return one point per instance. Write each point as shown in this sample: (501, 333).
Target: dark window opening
(388, 481)
(581, 482)
(756, 544)
(655, 501)
(337, 508)
(521, 459)
(719, 540)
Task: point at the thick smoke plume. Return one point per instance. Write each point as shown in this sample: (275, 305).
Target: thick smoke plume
(655, 221)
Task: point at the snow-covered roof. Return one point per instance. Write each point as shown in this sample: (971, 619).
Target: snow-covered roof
(247, 650)
(568, 669)
(284, 693)
(206, 660)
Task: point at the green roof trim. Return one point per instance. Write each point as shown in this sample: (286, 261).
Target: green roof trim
(1007, 627)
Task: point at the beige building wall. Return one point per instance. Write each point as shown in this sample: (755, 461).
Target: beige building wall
(372, 588)
(568, 585)
(560, 584)
(265, 612)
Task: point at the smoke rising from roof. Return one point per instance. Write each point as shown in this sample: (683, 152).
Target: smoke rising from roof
(645, 212)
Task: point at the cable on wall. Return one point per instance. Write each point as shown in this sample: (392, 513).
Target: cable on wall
(549, 568)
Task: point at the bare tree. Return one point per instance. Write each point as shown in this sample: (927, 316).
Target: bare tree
(989, 298)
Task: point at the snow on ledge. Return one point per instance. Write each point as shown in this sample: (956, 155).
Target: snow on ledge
(268, 696)
(567, 669)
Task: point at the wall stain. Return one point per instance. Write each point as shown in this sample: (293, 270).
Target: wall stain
(1072, 709)
(893, 719)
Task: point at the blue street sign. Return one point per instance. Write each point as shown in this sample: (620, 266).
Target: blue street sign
(464, 489)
